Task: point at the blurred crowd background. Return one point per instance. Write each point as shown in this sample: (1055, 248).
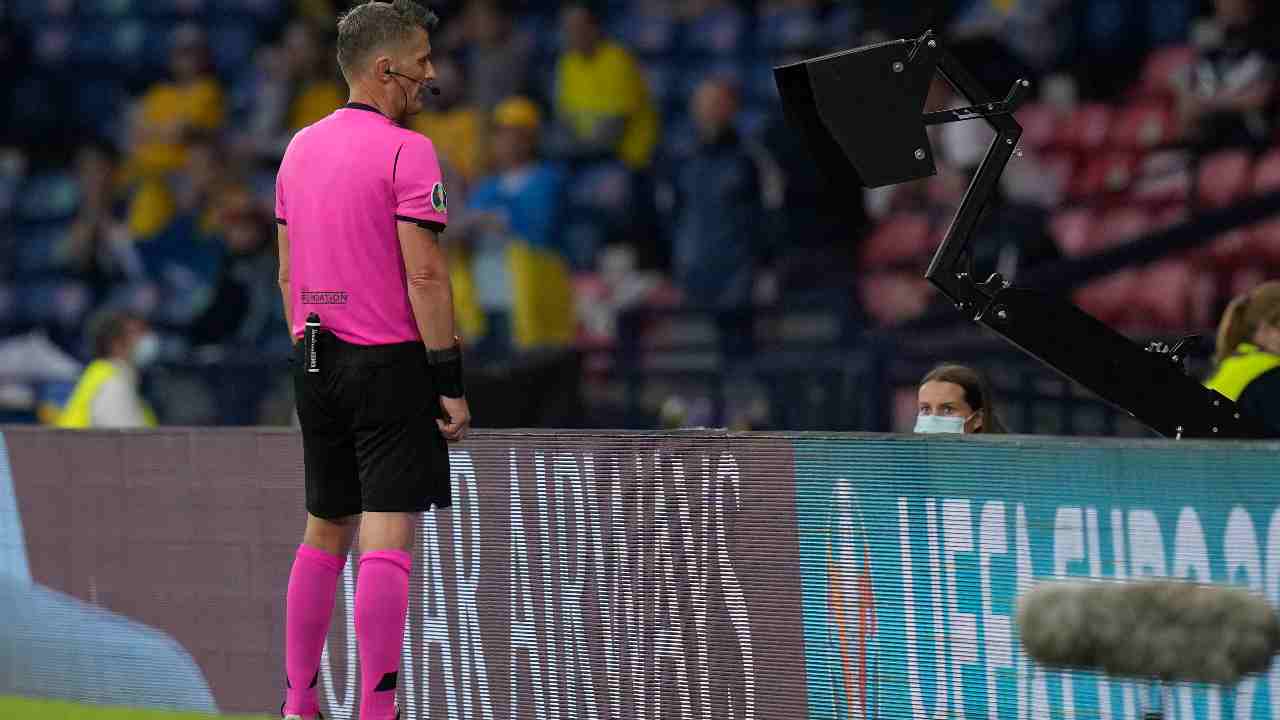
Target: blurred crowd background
(637, 238)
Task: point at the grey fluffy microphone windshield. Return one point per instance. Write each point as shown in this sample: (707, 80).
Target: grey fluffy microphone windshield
(1173, 631)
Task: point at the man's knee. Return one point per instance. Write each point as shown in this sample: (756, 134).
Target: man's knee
(387, 531)
(333, 536)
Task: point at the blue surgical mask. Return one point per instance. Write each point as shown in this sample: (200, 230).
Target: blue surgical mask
(931, 424)
(146, 350)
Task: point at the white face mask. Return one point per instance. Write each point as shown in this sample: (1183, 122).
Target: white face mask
(145, 351)
(934, 424)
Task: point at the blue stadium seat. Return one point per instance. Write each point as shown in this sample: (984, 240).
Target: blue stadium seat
(647, 32)
(841, 27)
(52, 43)
(605, 186)
(36, 245)
(1109, 24)
(663, 80)
(109, 8)
(172, 8)
(721, 32)
(1168, 22)
(59, 302)
(790, 28)
(233, 45)
(263, 10)
(33, 12)
(50, 196)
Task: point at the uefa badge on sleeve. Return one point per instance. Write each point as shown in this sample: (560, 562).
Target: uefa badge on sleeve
(438, 201)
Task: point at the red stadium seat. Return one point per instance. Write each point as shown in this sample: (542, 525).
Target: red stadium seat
(1163, 67)
(1163, 295)
(1163, 177)
(1231, 250)
(1110, 298)
(1223, 178)
(1086, 128)
(1106, 173)
(899, 238)
(895, 297)
(1073, 232)
(1039, 121)
(1266, 173)
(1264, 238)
(1122, 225)
(1141, 126)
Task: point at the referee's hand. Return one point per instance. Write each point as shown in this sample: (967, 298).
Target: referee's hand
(457, 418)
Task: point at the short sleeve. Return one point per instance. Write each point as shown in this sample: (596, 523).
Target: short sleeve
(419, 188)
(281, 214)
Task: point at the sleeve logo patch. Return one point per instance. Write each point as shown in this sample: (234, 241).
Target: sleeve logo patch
(438, 200)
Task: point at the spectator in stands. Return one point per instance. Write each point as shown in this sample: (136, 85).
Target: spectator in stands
(170, 112)
(514, 286)
(497, 58)
(298, 86)
(107, 394)
(454, 125)
(956, 399)
(1248, 354)
(602, 97)
(717, 216)
(245, 312)
(1232, 85)
(98, 248)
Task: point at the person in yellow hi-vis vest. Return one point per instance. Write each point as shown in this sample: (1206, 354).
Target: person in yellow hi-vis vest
(107, 396)
(1248, 354)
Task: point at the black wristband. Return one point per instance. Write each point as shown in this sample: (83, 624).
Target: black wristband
(448, 377)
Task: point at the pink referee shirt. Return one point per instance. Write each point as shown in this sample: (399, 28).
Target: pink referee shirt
(343, 185)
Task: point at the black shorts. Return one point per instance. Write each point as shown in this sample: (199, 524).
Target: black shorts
(369, 434)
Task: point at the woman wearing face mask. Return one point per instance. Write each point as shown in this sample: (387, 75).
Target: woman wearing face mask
(956, 399)
(1248, 354)
(107, 394)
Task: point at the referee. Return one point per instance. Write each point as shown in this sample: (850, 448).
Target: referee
(378, 370)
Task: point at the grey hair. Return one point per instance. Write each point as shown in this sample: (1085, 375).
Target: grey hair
(375, 25)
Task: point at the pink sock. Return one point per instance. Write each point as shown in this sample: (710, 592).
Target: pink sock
(308, 609)
(382, 601)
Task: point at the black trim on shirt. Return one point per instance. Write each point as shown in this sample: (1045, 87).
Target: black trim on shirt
(432, 225)
(362, 106)
(280, 221)
(396, 165)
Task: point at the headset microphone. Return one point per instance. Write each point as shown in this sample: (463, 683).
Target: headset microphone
(430, 88)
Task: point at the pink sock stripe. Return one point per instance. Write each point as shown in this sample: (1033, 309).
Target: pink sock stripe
(400, 558)
(329, 560)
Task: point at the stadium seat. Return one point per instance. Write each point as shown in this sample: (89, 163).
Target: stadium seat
(788, 28)
(35, 12)
(647, 32)
(1039, 121)
(1141, 125)
(1109, 298)
(1109, 172)
(1121, 226)
(1163, 67)
(1231, 250)
(892, 298)
(1163, 177)
(1163, 293)
(1264, 238)
(107, 9)
(1085, 128)
(720, 32)
(232, 45)
(50, 196)
(1223, 178)
(36, 246)
(1073, 231)
(900, 238)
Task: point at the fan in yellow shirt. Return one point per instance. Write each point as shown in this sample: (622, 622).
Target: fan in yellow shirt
(456, 127)
(601, 93)
(166, 115)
